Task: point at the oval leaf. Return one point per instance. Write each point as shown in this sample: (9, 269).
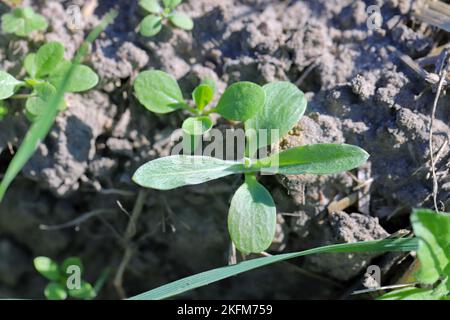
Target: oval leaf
(55, 291)
(432, 229)
(48, 57)
(35, 106)
(150, 26)
(82, 79)
(202, 95)
(283, 107)
(70, 262)
(170, 4)
(197, 125)
(86, 291)
(325, 158)
(23, 21)
(158, 91)
(8, 85)
(182, 21)
(252, 217)
(180, 170)
(30, 64)
(241, 101)
(151, 6)
(47, 267)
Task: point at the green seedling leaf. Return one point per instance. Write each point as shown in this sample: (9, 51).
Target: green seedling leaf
(82, 79)
(433, 231)
(214, 275)
(180, 170)
(8, 85)
(150, 26)
(23, 21)
(158, 91)
(72, 261)
(202, 95)
(196, 126)
(283, 107)
(324, 158)
(151, 6)
(55, 291)
(410, 293)
(182, 21)
(48, 57)
(41, 127)
(86, 291)
(252, 217)
(170, 4)
(47, 267)
(210, 83)
(241, 101)
(30, 64)
(36, 106)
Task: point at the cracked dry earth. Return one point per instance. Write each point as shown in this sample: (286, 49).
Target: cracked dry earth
(358, 92)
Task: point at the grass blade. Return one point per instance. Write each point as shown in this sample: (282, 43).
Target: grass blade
(40, 128)
(207, 277)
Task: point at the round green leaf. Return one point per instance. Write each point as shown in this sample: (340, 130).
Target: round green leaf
(83, 78)
(35, 106)
(150, 26)
(202, 95)
(158, 91)
(151, 6)
(197, 125)
(181, 20)
(86, 291)
(72, 261)
(283, 107)
(55, 291)
(241, 101)
(48, 57)
(47, 267)
(252, 217)
(30, 64)
(170, 4)
(8, 85)
(23, 21)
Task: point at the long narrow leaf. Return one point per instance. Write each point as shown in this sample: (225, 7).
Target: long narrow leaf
(205, 278)
(41, 127)
(179, 170)
(322, 158)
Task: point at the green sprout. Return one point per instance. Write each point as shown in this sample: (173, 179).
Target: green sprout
(63, 279)
(23, 21)
(275, 106)
(46, 70)
(433, 231)
(152, 23)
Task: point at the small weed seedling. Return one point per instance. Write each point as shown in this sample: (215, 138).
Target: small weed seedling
(22, 22)
(433, 231)
(46, 70)
(65, 279)
(279, 106)
(152, 24)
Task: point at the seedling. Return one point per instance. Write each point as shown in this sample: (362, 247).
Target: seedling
(46, 70)
(23, 21)
(433, 231)
(65, 279)
(279, 106)
(152, 24)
